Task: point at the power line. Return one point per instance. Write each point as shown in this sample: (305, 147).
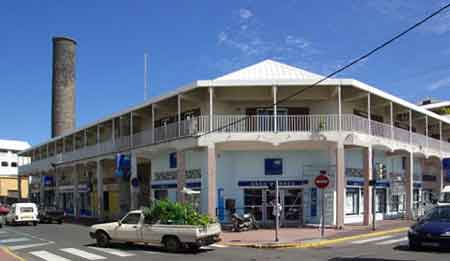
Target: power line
(353, 62)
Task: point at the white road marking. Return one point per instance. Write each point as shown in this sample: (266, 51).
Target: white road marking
(112, 251)
(393, 241)
(19, 247)
(14, 240)
(371, 240)
(83, 254)
(48, 256)
(3, 232)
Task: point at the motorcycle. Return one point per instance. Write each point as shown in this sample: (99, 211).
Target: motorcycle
(243, 223)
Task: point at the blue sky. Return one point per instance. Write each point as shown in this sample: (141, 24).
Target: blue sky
(191, 40)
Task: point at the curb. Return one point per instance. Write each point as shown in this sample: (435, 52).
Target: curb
(9, 252)
(320, 243)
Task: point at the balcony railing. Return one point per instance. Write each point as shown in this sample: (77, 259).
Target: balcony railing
(248, 124)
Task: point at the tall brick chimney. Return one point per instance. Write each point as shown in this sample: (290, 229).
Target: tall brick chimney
(63, 86)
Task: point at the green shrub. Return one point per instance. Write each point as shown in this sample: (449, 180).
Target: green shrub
(168, 212)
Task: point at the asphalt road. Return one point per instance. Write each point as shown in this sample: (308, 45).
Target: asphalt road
(72, 242)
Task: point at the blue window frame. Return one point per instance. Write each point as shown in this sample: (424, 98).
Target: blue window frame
(173, 160)
(273, 166)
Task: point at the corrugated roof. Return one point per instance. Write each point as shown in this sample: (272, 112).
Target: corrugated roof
(269, 70)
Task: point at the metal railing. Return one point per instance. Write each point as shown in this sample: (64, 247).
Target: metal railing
(247, 124)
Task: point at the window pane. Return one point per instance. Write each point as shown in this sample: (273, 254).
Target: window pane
(253, 197)
(132, 219)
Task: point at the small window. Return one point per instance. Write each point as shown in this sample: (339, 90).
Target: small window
(4, 164)
(173, 160)
(14, 164)
(132, 219)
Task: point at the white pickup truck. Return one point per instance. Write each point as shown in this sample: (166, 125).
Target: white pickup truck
(135, 228)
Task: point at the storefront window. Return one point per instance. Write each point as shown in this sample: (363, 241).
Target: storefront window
(161, 194)
(380, 201)
(395, 203)
(253, 202)
(352, 201)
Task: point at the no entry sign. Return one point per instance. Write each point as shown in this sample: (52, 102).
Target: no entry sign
(322, 181)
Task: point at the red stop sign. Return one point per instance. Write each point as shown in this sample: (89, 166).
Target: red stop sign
(322, 181)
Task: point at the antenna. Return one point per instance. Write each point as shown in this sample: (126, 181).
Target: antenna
(145, 75)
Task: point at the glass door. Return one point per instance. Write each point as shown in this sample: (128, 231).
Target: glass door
(292, 213)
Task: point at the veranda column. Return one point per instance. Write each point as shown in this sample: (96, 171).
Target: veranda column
(441, 176)
(340, 185)
(275, 110)
(56, 188)
(19, 187)
(391, 114)
(100, 202)
(409, 181)
(179, 114)
(134, 188)
(339, 92)
(368, 174)
(76, 194)
(181, 175)
(212, 190)
(211, 108)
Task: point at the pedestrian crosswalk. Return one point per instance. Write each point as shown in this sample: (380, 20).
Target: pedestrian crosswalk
(382, 240)
(69, 254)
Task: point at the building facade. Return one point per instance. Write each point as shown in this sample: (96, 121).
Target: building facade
(9, 165)
(231, 137)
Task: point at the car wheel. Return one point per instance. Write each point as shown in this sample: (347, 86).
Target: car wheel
(414, 245)
(60, 221)
(172, 244)
(102, 239)
(35, 223)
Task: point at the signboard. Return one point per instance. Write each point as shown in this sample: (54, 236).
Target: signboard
(123, 165)
(273, 166)
(322, 181)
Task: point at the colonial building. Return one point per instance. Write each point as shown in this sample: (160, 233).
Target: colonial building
(230, 137)
(9, 163)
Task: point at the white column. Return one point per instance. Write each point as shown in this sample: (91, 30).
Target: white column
(369, 117)
(211, 108)
(441, 180)
(410, 126)
(100, 205)
(339, 92)
(131, 130)
(426, 129)
(440, 137)
(134, 191)
(368, 175)
(153, 123)
(113, 131)
(179, 114)
(181, 175)
(340, 186)
(409, 183)
(212, 189)
(275, 112)
(391, 109)
(76, 197)
(19, 187)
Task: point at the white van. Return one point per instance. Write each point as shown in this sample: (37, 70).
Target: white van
(444, 197)
(21, 213)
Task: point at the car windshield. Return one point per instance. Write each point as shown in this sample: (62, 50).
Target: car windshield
(445, 197)
(26, 210)
(439, 214)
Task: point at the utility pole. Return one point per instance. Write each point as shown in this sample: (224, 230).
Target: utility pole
(277, 211)
(145, 75)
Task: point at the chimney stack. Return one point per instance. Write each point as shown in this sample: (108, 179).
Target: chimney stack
(63, 86)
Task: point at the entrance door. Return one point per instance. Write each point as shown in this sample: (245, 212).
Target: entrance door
(292, 214)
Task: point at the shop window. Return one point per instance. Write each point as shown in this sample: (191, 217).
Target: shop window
(173, 160)
(395, 203)
(403, 163)
(161, 194)
(4, 164)
(273, 166)
(380, 201)
(252, 197)
(352, 201)
(14, 164)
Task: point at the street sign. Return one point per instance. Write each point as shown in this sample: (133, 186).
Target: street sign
(322, 181)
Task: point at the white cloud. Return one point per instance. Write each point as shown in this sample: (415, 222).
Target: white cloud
(445, 82)
(245, 13)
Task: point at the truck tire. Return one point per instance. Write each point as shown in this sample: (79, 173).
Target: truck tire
(35, 223)
(172, 244)
(102, 239)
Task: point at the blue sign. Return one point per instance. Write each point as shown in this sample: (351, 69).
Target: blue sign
(48, 181)
(265, 183)
(173, 160)
(174, 185)
(221, 204)
(135, 182)
(273, 166)
(123, 165)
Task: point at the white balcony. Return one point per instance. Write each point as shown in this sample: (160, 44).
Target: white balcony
(248, 124)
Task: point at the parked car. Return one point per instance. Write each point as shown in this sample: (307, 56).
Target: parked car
(134, 227)
(22, 213)
(444, 197)
(432, 230)
(51, 214)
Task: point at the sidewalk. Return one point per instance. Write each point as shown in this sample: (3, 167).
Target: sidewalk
(6, 255)
(308, 236)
